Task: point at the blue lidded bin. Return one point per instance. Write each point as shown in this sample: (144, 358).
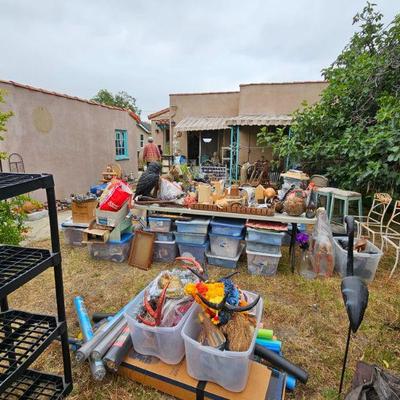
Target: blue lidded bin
(191, 238)
(160, 224)
(264, 236)
(227, 226)
(197, 251)
(196, 225)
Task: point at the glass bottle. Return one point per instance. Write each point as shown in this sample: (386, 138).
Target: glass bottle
(311, 206)
(306, 269)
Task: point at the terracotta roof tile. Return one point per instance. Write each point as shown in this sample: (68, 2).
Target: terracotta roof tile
(157, 113)
(66, 96)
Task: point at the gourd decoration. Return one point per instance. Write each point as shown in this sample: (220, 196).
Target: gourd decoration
(295, 203)
(269, 193)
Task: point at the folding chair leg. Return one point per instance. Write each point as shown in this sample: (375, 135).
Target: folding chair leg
(395, 263)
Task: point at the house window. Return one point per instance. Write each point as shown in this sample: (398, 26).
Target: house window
(141, 140)
(121, 144)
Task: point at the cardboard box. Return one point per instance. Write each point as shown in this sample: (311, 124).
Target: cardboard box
(93, 235)
(263, 384)
(112, 218)
(83, 212)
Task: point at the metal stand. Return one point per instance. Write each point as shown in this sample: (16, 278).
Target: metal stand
(26, 335)
(234, 160)
(345, 360)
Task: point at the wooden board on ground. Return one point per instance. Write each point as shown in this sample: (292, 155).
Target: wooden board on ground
(263, 384)
(141, 252)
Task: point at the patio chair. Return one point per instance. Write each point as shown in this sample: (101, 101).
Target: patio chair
(373, 223)
(392, 234)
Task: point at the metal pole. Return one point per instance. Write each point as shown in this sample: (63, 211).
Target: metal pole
(101, 349)
(118, 350)
(96, 366)
(237, 151)
(55, 246)
(345, 360)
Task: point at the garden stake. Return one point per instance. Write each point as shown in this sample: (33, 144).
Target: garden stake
(355, 295)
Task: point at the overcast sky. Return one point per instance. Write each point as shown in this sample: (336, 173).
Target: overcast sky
(151, 48)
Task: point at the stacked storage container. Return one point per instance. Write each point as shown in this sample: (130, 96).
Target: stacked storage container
(113, 250)
(263, 248)
(164, 249)
(225, 242)
(191, 237)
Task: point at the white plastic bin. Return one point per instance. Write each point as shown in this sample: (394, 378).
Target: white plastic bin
(162, 342)
(196, 225)
(365, 265)
(262, 263)
(263, 247)
(223, 245)
(229, 369)
(224, 262)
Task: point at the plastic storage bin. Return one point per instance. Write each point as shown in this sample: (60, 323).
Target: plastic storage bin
(164, 236)
(227, 226)
(224, 246)
(365, 265)
(197, 251)
(264, 236)
(117, 251)
(196, 225)
(225, 262)
(262, 263)
(159, 224)
(191, 238)
(162, 342)
(73, 236)
(229, 369)
(164, 251)
(263, 247)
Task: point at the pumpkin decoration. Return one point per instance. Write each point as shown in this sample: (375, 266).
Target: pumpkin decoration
(295, 203)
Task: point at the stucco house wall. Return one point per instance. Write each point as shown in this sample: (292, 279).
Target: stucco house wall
(277, 98)
(71, 139)
(218, 104)
(252, 99)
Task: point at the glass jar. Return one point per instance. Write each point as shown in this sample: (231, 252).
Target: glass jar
(306, 269)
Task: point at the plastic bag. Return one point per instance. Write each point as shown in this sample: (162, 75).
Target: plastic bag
(322, 257)
(174, 310)
(169, 190)
(117, 193)
(373, 383)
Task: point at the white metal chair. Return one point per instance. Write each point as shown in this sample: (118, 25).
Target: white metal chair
(373, 223)
(392, 234)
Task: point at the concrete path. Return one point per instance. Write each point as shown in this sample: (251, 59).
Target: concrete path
(40, 229)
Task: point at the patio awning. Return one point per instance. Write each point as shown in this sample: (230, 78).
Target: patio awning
(201, 124)
(260, 119)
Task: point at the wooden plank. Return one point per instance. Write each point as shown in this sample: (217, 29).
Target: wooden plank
(284, 218)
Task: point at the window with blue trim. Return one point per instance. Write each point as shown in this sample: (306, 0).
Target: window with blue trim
(121, 144)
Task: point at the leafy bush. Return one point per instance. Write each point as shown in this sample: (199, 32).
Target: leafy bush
(12, 221)
(353, 133)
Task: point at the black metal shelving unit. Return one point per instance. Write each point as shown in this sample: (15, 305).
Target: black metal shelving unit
(23, 335)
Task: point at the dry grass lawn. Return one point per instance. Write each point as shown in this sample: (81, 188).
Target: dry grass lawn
(308, 316)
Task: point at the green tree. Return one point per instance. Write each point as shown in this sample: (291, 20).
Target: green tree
(4, 116)
(120, 99)
(353, 133)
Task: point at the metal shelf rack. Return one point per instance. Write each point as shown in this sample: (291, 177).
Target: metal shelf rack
(24, 336)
